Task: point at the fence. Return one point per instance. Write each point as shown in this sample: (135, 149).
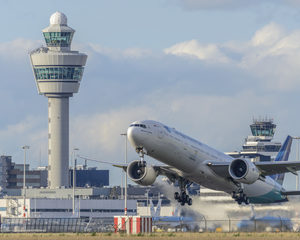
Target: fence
(255, 225)
(57, 225)
(107, 225)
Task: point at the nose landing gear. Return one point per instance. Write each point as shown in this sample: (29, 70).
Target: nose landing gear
(142, 162)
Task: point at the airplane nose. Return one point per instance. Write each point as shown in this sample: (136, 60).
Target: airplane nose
(134, 136)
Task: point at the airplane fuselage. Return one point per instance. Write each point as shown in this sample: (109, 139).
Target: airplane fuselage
(190, 158)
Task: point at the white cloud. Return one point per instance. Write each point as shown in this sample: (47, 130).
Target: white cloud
(230, 4)
(217, 4)
(271, 56)
(268, 35)
(18, 48)
(209, 52)
(29, 131)
(134, 52)
(19, 128)
(100, 132)
(274, 57)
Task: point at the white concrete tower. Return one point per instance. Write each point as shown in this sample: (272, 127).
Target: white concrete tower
(58, 72)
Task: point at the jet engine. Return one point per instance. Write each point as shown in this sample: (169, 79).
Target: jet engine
(244, 171)
(143, 175)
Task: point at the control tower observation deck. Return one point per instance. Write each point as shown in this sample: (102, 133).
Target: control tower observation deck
(58, 72)
(259, 146)
(263, 129)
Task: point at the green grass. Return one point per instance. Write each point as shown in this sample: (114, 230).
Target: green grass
(156, 236)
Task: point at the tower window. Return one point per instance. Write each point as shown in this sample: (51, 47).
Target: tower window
(73, 73)
(58, 39)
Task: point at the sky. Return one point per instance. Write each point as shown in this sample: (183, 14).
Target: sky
(205, 67)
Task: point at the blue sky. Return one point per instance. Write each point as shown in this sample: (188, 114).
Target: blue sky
(206, 67)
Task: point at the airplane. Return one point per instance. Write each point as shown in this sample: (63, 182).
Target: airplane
(188, 160)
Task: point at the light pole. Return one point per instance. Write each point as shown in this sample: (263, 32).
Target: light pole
(125, 199)
(74, 178)
(25, 147)
(297, 176)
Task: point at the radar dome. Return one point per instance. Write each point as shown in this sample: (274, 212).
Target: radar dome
(58, 18)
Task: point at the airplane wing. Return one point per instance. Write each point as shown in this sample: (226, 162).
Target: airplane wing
(95, 160)
(266, 168)
(123, 166)
(168, 171)
(290, 193)
(220, 168)
(271, 168)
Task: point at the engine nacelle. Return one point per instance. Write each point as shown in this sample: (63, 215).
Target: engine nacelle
(143, 175)
(244, 171)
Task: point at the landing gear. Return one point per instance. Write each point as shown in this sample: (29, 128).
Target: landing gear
(142, 162)
(182, 197)
(240, 197)
(176, 195)
(190, 201)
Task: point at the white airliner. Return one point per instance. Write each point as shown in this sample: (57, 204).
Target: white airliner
(188, 160)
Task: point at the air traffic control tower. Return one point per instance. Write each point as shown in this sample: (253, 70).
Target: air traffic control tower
(58, 72)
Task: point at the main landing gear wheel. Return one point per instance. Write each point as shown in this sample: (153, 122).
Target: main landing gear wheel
(182, 197)
(190, 202)
(240, 197)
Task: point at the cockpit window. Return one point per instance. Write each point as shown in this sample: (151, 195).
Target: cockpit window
(138, 125)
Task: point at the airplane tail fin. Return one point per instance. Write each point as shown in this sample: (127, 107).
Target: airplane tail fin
(283, 155)
(158, 208)
(152, 212)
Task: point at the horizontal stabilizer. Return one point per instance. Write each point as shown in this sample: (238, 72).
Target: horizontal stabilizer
(291, 193)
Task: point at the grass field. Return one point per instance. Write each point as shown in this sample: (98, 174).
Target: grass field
(160, 236)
